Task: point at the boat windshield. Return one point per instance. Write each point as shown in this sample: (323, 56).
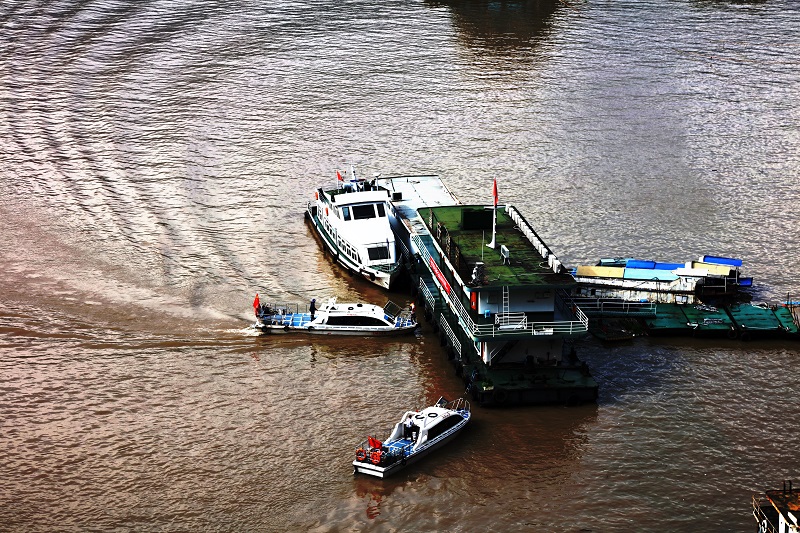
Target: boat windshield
(448, 423)
(363, 212)
(355, 321)
(378, 252)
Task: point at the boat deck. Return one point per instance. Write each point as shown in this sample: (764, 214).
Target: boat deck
(463, 233)
(298, 320)
(411, 193)
(754, 317)
(745, 320)
(301, 320)
(396, 446)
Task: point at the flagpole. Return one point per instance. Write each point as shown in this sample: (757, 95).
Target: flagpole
(494, 215)
(494, 227)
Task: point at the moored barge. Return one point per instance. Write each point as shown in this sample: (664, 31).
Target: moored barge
(504, 313)
(692, 282)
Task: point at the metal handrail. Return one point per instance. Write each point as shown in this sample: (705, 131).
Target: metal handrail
(511, 319)
(449, 332)
(547, 254)
(625, 306)
(534, 328)
(764, 523)
(426, 293)
(459, 404)
(389, 268)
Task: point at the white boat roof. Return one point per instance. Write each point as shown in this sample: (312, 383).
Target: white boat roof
(426, 420)
(417, 192)
(359, 197)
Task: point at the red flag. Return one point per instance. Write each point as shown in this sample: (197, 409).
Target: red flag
(256, 304)
(374, 443)
(339, 176)
(494, 192)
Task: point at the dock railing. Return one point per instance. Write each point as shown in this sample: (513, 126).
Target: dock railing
(547, 254)
(450, 334)
(561, 327)
(605, 306)
(765, 524)
(283, 309)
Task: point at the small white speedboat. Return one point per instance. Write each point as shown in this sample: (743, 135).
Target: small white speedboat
(335, 318)
(416, 435)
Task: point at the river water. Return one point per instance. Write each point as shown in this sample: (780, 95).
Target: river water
(155, 161)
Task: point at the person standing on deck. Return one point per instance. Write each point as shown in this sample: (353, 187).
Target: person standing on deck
(313, 307)
(409, 433)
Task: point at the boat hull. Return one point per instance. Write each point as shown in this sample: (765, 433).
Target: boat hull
(336, 319)
(332, 330)
(381, 278)
(365, 467)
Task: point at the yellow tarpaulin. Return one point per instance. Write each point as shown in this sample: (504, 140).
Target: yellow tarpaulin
(600, 271)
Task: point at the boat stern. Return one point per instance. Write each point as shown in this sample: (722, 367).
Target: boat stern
(369, 469)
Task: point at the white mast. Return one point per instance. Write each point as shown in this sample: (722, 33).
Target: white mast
(494, 215)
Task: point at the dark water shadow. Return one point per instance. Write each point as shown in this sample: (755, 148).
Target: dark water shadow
(500, 28)
(725, 3)
(638, 368)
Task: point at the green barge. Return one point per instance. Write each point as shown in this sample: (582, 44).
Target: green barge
(735, 321)
(742, 321)
(504, 314)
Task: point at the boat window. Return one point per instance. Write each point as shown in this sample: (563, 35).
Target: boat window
(381, 210)
(443, 426)
(377, 253)
(361, 212)
(355, 321)
(346, 213)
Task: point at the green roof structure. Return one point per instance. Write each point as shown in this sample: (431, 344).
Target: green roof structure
(520, 258)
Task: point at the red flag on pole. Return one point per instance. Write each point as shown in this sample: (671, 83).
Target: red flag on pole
(256, 304)
(494, 192)
(339, 176)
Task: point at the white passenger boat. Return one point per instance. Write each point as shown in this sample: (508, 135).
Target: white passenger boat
(352, 221)
(335, 318)
(416, 435)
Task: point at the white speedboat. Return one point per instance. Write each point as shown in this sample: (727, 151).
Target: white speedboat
(353, 223)
(335, 318)
(416, 435)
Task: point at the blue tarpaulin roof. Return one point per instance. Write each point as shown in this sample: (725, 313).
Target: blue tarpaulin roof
(721, 260)
(649, 274)
(669, 266)
(636, 263)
